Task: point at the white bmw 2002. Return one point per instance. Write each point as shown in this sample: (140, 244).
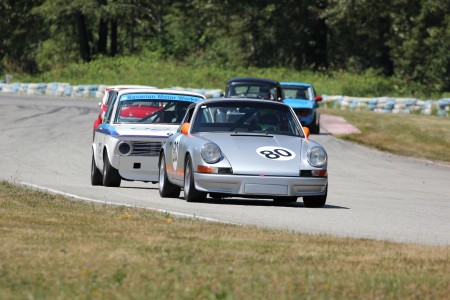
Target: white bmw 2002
(136, 125)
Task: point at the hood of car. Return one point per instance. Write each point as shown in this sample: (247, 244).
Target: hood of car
(300, 103)
(131, 130)
(260, 154)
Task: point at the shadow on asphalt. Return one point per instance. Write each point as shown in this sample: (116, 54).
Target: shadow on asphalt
(262, 202)
(153, 187)
(246, 201)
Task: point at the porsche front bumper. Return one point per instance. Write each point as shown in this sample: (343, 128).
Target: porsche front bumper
(260, 185)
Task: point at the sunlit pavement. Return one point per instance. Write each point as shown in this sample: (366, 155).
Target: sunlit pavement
(337, 125)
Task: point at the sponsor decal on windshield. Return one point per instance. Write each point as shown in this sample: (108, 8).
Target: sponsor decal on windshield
(159, 97)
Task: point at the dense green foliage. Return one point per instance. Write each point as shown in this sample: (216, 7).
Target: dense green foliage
(403, 39)
(150, 68)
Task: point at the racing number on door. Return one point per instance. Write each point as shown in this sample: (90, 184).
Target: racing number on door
(175, 152)
(273, 153)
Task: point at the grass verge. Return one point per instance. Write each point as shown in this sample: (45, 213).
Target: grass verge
(421, 136)
(55, 248)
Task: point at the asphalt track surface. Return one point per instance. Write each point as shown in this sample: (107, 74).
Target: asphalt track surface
(46, 143)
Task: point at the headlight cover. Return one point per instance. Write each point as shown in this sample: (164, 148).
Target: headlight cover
(124, 148)
(211, 153)
(317, 157)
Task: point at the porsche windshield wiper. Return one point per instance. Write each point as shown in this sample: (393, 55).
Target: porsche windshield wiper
(251, 134)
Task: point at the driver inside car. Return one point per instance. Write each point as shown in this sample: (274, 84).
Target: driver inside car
(268, 121)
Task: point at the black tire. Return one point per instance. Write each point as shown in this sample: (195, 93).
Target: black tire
(190, 193)
(315, 125)
(285, 199)
(315, 201)
(111, 176)
(166, 188)
(96, 175)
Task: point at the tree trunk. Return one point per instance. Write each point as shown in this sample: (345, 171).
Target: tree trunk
(102, 29)
(102, 36)
(113, 45)
(83, 36)
(320, 59)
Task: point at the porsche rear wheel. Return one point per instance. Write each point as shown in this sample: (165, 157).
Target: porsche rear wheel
(285, 199)
(111, 176)
(315, 201)
(96, 175)
(166, 188)
(190, 193)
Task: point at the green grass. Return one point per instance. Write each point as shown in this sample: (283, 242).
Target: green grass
(55, 248)
(420, 136)
(151, 69)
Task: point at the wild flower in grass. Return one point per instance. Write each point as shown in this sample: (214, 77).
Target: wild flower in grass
(85, 272)
(126, 216)
(169, 220)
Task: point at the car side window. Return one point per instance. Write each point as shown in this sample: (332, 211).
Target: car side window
(111, 105)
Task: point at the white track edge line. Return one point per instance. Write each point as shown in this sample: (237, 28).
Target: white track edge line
(192, 216)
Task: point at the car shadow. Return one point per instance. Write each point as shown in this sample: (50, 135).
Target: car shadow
(246, 201)
(262, 202)
(139, 188)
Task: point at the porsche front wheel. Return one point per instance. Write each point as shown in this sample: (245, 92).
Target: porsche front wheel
(190, 192)
(166, 188)
(315, 201)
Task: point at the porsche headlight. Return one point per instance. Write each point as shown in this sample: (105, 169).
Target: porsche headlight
(211, 153)
(124, 148)
(317, 157)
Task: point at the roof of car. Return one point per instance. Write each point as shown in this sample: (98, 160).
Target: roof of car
(160, 91)
(295, 83)
(248, 79)
(236, 99)
(128, 86)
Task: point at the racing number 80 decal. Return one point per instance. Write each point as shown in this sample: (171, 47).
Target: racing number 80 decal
(279, 153)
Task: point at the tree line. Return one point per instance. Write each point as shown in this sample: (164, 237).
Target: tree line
(408, 39)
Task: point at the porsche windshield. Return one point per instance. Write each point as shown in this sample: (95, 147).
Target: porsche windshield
(243, 116)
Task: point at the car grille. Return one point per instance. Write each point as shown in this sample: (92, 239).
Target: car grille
(145, 148)
(302, 112)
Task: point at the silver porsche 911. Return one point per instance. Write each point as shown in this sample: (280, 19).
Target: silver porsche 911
(243, 148)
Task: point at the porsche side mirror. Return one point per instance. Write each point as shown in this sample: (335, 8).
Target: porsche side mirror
(185, 128)
(306, 130)
(318, 98)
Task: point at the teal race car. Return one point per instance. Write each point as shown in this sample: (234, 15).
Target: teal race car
(305, 103)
